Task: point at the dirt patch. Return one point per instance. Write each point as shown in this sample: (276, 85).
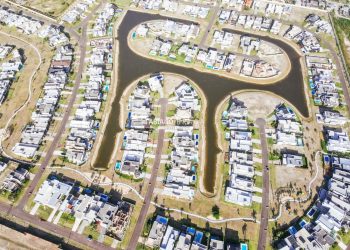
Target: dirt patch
(51, 7)
(259, 104)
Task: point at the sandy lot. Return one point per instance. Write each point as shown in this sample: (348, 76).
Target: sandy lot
(259, 104)
(51, 7)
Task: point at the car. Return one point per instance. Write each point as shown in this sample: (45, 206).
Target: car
(89, 237)
(267, 168)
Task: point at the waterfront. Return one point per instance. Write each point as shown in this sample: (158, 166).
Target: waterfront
(215, 88)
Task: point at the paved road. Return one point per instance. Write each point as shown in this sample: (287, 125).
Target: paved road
(62, 128)
(47, 226)
(152, 182)
(266, 183)
(210, 25)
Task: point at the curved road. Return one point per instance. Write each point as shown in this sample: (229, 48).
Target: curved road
(30, 80)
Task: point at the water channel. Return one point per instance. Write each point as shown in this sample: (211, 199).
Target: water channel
(216, 88)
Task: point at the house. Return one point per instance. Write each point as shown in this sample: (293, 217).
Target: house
(237, 196)
(241, 141)
(337, 141)
(216, 244)
(157, 232)
(52, 193)
(331, 118)
(291, 160)
(184, 242)
(3, 166)
(288, 139)
(289, 126)
(121, 220)
(15, 180)
(156, 82)
(241, 182)
(170, 237)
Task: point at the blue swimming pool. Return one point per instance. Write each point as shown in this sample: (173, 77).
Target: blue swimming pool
(117, 165)
(244, 246)
(191, 230)
(106, 88)
(292, 230)
(311, 212)
(162, 220)
(302, 223)
(326, 159)
(198, 237)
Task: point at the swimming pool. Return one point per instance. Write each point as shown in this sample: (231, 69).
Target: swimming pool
(191, 230)
(326, 159)
(117, 165)
(302, 223)
(292, 230)
(198, 237)
(311, 212)
(162, 220)
(244, 246)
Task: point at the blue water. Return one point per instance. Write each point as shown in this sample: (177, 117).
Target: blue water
(311, 212)
(198, 237)
(191, 230)
(302, 223)
(244, 246)
(87, 191)
(162, 220)
(117, 165)
(326, 159)
(104, 197)
(292, 230)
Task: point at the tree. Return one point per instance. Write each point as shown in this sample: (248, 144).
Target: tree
(287, 205)
(254, 214)
(244, 230)
(216, 211)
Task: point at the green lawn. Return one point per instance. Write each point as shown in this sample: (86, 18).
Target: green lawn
(345, 237)
(91, 230)
(255, 133)
(256, 146)
(258, 181)
(44, 212)
(108, 240)
(67, 220)
(171, 113)
(256, 206)
(258, 166)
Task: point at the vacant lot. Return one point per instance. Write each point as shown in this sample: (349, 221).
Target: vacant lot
(52, 7)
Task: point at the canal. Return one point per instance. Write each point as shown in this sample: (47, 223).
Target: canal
(132, 66)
